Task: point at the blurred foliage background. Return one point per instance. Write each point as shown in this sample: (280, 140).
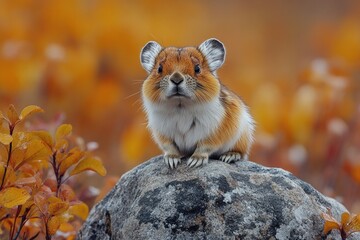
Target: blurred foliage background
(295, 63)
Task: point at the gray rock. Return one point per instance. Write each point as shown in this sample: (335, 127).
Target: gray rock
(216, 201)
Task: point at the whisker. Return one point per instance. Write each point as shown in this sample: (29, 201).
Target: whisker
(154, 95)
(200, 86)
(137, 102)
(132, 95)
(152, 35)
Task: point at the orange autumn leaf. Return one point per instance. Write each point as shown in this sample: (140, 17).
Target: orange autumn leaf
(20, 139)
(80, 210)
(25, 181)
(67, 228)
(63, 131)
(40, 201)
(11, 197)
(53, 199)
(53, 224)
(347, 226)
(91, 164)
(353, 225)
(27, 111)
(61, 146)
(51, 183)
(345, 216)
(27, 170)
(57, 208)
(45, 137)
(12, 115)
(10, 176)
(7, 223)
(72, 158)
(67, 193)
(5, 139)
(37, 150)
(4, 127)
(17, 156)
(330, 223)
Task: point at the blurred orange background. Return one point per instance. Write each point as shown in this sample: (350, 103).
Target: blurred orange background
(295, 63)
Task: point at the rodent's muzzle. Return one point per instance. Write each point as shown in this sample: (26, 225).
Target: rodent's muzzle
(177, 78)
(177, 86)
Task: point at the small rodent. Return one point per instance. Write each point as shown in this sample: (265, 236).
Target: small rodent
(190, 113)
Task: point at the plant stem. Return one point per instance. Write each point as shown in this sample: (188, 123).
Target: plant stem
(14, 224)
(56, 172)
(35, 236)
(23, 221)
(47, 235)
(9, 157)
(343, 234)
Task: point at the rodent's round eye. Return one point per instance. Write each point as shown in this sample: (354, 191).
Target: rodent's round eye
(160, 69)
(197, 68)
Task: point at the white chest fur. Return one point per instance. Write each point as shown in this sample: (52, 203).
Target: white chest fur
(185, 125)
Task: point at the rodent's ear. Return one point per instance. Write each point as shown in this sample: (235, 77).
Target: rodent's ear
(214, 53)
(148, 54)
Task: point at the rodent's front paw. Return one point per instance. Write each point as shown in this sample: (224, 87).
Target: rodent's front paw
(172, 160)
(230, 157)
(197, 160)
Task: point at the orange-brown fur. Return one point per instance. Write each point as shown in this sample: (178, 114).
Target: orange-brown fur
(231, 133)
(225, 131)
(183, 62)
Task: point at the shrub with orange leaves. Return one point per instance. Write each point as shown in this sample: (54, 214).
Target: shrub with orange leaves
(35, 200)
(347, 226)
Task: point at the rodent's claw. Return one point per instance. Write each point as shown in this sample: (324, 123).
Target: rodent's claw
(230, 157)
(172, 161)
(197, 160)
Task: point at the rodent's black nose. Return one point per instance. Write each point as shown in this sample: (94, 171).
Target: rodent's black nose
(176, 78)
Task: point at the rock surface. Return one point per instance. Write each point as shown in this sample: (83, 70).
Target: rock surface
(217, 201)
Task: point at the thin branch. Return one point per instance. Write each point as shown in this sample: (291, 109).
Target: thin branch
(8, 160)
(14, 224)
(22, 223)
(57, 174)
(35, 236)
